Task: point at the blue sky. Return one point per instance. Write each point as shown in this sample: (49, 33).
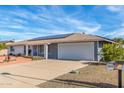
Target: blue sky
(25, 22)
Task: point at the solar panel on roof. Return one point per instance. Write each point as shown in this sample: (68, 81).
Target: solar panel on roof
(51, 37)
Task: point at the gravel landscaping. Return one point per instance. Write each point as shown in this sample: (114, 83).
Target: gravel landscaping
(92, 76)
(13, 60)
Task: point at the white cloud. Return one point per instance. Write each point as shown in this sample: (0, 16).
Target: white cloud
(45, 21)
(59, 32)
(119, 9)
(91, 29)
(122, 25)
(116, 33)
(8, 33)
(115, 8)
(119, 31)
(88, 27)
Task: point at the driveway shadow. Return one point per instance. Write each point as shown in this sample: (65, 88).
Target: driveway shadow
(84, 83)
(62, 81)
(8, 75)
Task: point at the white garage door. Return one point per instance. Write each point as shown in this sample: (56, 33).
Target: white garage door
(78, 51)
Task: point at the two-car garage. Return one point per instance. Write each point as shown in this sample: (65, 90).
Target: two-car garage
(76, 51)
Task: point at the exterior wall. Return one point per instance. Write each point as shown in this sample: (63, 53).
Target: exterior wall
(53, 51)
(76, 51)
(99, 47)
(17, 50)
(95, 51)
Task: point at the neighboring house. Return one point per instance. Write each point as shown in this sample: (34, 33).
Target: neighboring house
(123, 46)
(75, 46)
(7, 41)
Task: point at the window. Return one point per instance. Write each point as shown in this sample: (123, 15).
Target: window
(11, 49)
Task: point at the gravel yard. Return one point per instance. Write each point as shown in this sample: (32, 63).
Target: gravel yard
(13, 60)
(91, 76)
(3, 52)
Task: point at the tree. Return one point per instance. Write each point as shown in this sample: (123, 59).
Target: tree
(119, 40)
(112, 52)
(2, 46)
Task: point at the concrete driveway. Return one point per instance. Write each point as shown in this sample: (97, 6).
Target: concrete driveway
(31, 74)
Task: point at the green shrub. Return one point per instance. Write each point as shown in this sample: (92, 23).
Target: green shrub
(112, 52)
(3, 46)
(37, 58)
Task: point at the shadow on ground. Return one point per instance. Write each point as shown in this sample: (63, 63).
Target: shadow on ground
(62, 81)
(87, 84)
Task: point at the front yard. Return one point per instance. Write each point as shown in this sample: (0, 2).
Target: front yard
(13, 60)
(91, 76)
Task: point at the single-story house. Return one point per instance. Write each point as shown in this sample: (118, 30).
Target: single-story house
(75, 46)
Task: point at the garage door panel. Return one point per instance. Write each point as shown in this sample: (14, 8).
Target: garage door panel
(78, 51)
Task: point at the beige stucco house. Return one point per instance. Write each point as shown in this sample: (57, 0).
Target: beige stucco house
(75, 46)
